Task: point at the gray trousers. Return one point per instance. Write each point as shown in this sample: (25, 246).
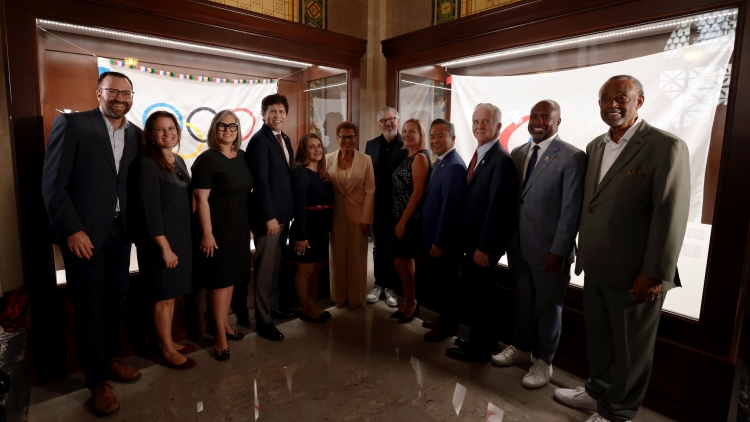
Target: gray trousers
(266, 271)
(620, 338)
(539, 297)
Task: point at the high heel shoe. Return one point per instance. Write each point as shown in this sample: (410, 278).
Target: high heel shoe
(222, 355)
(405, 320)
(236, 336)
(304, 317)
(397, 314)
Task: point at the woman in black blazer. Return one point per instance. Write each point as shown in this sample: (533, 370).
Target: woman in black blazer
(163, 237)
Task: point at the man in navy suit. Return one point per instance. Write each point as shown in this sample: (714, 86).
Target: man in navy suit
(270, 158)
(551, 173)
(440, 213)
(489, 209)
(84, 187)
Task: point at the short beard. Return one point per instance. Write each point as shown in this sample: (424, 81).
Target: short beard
(109, 112)
(390, 134)
(618, 122)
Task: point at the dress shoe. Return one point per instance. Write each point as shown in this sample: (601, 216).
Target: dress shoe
(189, 348)
(405, 320)
(440, 334)
(103, 400)
(236, 336)
(120, 371)
(283, 314)
(577, 397)
(539, 375)
(189, 363)
(397, 314)
(221, 355)
(461, 342)
(322, 318)
(433, 323)
(469, 354)
(598, 418)
(510, 356)
(270, 332)
(374, 295)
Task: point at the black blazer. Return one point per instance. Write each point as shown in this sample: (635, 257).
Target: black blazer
(80, 183)
(490, 205)
(384, 187)
(272, 191)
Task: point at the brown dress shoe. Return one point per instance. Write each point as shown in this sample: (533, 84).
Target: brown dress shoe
(120, 371)
(103, 400)
(440, 334)
(434, 323)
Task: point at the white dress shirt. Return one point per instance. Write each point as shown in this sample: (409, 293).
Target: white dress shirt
(441, 156)
(612, 150)
(542, 147)
(117, 141)
(283, 145)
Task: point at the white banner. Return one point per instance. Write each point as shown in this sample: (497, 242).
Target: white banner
(194, 103)
(682, 88)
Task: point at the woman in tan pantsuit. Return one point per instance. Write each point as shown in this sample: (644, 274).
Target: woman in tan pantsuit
(353, 180)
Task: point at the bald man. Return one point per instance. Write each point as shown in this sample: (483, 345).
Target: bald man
(551, 178)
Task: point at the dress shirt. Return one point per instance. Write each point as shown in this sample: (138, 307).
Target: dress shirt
(117, 141)
(283, 145)
(542, 147)
(441, 156)
(612, 150)
(481, 151)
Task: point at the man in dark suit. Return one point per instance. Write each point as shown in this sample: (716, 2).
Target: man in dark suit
(84, 187)
(440, 213)
(551, 174)
(635, 211)
(270, 158)
(386, 152)
(489, 209)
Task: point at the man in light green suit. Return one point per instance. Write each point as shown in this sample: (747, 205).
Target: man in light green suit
(635, 212)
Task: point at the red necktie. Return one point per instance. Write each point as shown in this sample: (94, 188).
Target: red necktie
(283, 147)
(472, 164)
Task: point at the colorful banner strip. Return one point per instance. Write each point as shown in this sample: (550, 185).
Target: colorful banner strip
(192, 77)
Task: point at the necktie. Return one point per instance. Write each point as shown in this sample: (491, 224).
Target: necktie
(435, 167)
(532, 164)
(472, 164)
(283, 147)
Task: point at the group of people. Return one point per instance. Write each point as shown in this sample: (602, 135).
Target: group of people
(107, 182)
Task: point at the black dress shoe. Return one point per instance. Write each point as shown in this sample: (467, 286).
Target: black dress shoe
(405, 320)
(322, 318)
(397, 314)
(283, 314)
(469, 355)
(461, 342)
(270, 332)
(222, 355)
(236, 336)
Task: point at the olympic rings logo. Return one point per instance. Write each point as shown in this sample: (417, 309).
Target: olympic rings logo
(193, 129)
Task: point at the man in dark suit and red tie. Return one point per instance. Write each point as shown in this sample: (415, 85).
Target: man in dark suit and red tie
(84, 187)
(488, 218)
(440, 213)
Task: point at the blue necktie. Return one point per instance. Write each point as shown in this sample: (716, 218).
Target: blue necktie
(435, 167)
(532, 164)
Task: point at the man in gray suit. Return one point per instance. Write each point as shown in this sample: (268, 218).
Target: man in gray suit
(635, 211)
(551, 174)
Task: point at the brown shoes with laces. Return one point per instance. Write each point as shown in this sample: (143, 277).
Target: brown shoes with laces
(103, 400)
(120, 371)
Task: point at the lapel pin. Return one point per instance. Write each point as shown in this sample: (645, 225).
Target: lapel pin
(546, 158)
(482, 161)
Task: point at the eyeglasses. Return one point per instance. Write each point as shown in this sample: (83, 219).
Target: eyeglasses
(223, 126)
(348, 138)
(114, 93)
(388, 120)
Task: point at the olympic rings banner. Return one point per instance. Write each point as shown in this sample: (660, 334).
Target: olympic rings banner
(194, 104)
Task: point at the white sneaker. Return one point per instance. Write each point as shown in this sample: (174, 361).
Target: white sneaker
(374, 295)
(390, 298)
(538, 375)
(577, 398)
(509, 356)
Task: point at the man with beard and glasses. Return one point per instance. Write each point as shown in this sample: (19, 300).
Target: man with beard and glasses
(84, 187)
(551, 173)
(387, 152)
(635, 211)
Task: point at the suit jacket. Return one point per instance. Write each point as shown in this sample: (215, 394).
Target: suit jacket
(550, 204)
(272, 175)
(489, 206)
(442, 202)
(358, 198)
(634, 221)
(80, 183)
(385, 187)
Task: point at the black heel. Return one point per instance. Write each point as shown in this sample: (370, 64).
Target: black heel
(222, 355)
(236, 336)
(404, 320)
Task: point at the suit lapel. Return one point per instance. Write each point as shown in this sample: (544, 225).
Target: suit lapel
(542, 162)
(275, 142)
(358, 165)
(375, 152)
(435, 170)
(482, 162)
(97, 120)
(333, 166)
(631, 149)
(520, 159)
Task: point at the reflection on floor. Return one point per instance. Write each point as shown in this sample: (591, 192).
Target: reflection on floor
(359, 366)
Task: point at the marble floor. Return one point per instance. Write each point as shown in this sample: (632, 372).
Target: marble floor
(359, 366)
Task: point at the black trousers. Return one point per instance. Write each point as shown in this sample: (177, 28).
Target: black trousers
(479, 287)
(382, 254)
(98, 288)
(444, 283)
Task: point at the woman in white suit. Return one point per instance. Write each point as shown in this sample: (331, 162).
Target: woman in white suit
(353, 179)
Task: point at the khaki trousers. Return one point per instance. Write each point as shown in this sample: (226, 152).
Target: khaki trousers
(348, 261)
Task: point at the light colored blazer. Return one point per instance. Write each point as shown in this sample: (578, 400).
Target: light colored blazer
(359, 197)
(550, 205)
(634, 221)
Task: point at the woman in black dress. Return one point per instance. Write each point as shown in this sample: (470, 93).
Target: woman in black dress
(163, 239)
(313, 216)
(409, 183)
(221, 187)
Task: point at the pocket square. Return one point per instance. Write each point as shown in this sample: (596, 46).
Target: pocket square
(633, 172)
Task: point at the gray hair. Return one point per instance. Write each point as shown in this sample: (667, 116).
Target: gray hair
(449, 125)
(633, 79)
(386, 108)
(497, 115)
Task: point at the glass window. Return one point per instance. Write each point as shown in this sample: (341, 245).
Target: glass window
(422, 98)
(326, 108)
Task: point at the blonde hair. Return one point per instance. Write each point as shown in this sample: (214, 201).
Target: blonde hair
(212, 138)
(420, 129)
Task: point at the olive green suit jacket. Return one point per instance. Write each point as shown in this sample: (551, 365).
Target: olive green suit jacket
(634, 221)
